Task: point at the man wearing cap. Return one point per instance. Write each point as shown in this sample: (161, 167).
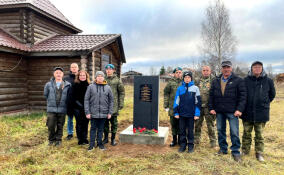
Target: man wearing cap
(227, 100)
(74, 68)
(204, 83)
(169, 97)
(118, 94)
(56, 92)
(261, 92)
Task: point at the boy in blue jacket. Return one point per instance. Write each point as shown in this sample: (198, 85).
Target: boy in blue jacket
(187, 107)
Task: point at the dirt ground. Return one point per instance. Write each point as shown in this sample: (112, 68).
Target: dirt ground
(136, 150)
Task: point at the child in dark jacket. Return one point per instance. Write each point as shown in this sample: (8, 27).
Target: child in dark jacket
(187, 107)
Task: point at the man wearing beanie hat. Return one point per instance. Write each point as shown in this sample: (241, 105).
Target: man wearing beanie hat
(187, 106)
(56, 92)
(118, 96)
(227, 100)
(261, 92)
(169, 97)
(98, 104)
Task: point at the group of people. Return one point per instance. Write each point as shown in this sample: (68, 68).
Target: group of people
(189, 101)
(75, 95)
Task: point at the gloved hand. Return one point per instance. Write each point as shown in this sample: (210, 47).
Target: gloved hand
(167, 109)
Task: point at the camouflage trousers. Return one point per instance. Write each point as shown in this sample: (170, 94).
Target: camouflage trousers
(210, 121)
(258, 139)
(114, 123)
(175, 125)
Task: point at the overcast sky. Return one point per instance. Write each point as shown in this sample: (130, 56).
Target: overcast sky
(167, 32)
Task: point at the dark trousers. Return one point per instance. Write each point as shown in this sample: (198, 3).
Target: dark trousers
(186, 128)
(55, 123)
(96, 132)
(175, 125)
(81, 124)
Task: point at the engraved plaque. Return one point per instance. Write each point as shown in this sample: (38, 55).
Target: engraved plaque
(145, 93)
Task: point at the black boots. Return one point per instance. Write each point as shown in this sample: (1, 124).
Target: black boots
(174, 142)
(113, 143)
(105, 138)
(259, 157)
(190, 148)
(105, 141)
(181, 149)
(69, 137)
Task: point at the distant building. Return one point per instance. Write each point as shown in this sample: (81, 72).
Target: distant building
(35, 37)
(166, 77)
(128, 77)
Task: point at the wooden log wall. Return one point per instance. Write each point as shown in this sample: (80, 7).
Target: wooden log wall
(94, 64)
(40, 70)
(97, 56)
(11, 21)
(44, 27)
(30, 26)
(13, 87)
(114, 58)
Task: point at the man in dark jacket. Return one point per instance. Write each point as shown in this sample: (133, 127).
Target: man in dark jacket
(74, 68)
(56, 92)
(261, 92)
(227, 99)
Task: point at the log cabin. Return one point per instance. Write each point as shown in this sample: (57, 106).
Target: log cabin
(35, 37)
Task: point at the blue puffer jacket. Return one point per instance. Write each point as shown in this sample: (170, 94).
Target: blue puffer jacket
(187, 101)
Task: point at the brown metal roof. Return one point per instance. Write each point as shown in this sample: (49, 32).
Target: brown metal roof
(74, 42)
(7, 40)
(42, 6)
(59, 43)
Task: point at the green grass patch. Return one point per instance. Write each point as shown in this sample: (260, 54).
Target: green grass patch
(24, 150)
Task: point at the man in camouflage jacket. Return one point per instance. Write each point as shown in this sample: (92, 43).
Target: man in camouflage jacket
(204, 83)
(169, 97)
(118, 95)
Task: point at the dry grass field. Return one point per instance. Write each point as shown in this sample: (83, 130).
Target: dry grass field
(24, 150)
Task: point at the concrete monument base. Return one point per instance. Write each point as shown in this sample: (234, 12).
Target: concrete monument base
(127, 136)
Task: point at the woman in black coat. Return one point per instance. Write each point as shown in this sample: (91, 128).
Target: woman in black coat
(81, 83)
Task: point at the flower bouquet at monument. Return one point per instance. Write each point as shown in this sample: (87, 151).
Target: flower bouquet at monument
(144, 130)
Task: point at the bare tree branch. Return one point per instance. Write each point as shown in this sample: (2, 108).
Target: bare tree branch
(218, 42)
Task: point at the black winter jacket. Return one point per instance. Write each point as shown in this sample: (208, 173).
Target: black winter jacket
(78, 94)
(70, 78)
(261, 92)
(234, 96)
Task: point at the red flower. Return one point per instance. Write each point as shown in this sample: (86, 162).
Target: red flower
(141, 130)
(144, 129)
(156, 131)
(134, 130)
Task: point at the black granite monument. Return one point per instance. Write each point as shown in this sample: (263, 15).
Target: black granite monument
(146, 102)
